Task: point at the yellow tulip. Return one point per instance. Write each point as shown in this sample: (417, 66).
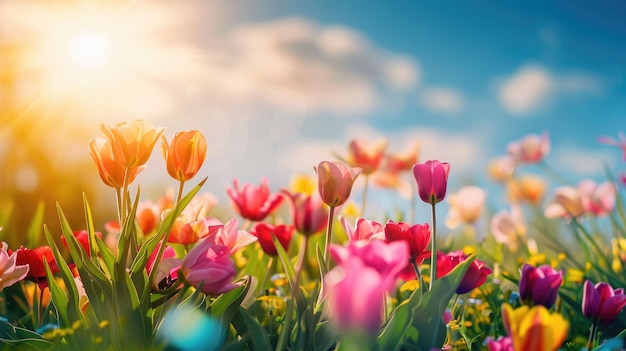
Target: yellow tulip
(534, 328)
(132, 142)
(185, 155)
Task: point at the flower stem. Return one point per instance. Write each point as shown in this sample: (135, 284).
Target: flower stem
(267, 273)
(592, 336)
(181, 186)
(364, 199)
(301, 259)
(433, 247)
(329, 231)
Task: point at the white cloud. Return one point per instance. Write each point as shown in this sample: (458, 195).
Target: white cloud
(581, 162)
(526, 90)
(444, 100)
(295, 64)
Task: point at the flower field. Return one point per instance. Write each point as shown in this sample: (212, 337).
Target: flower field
(304, 266)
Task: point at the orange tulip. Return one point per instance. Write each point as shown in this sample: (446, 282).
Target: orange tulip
(185, 155)
(367, 157)
(111, 172)
(132, 142)
(335, 181)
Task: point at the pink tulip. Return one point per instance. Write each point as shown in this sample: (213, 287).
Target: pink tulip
(369, 268)
(335, 180)
(208, 267)
(566, 203)
(601, 303)
(530, 149)
(597, 200)
(254, 202)
(363, 229)
(432, 180)
(309, 213)
(265, 233)
(10, 271)
(503, 343)
(620, 142)
(540, 285)
(228, 234)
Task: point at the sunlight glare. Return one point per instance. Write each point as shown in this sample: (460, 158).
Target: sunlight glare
(89, 49)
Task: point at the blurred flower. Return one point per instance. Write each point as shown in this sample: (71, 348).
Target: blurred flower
(601, 303)
(335, 180)
(228, 234)
(10, 271)
(132, 142)
(254, 202)
(618, 250)
(83, 238)
(566, 203)
(540, 285)
(363, 229)
(432, 180)
(111, 172)
(34, 259)
(474, 277)
(209, 268)
(503, 343)
(534, 328)
(309, 212)
(366, 156)
(265, 232)
(402, 161)
(530, 149)
(303, 183)
(597, 200)
(185, 155)
(466, 206)
(190, 226)
(370, 268)
(620, 142)
(148, 216)
(166, 269)
(501, 169)
(526, 188)
(507, 226)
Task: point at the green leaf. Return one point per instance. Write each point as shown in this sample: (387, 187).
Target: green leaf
(33, 232)
(226, 305)
(249, 327)
(16, 338)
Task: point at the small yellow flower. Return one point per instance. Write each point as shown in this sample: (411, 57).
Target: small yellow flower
(534, 328)
(574, 275)
(302, 183)
(351, 209)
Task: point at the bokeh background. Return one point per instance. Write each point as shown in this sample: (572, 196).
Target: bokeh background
(277, 86)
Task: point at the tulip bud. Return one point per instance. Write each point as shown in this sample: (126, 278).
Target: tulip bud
(432, 180)
(335, 180)
(185, 155)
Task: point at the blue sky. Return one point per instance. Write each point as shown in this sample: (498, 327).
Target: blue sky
(276, 86)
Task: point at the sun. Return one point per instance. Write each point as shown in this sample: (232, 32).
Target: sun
(89, 49)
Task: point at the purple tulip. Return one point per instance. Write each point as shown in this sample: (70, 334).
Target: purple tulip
(540, 285)
(601, 303)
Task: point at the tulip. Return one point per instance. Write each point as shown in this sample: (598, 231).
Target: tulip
(601, 303)
(540, 285)
(597, 200)
(417, 237)
(363, 229)
(432, 180)
(265, 233)
(83, 238)
(566, 203)
(166, 269)
(209, 268)
(501, 344)
(335, 180)
(228, 234)
(476, 273)
(620, 142)
(309, 213)
(185, 155)
(111, 172)
(254, 202)
(366, 156)
(526, 188)
(10, 271)
(132, 142)
(534, 328)
(507, 226)
(402, 161)
(190, 226)
(501, 169)
(34, 259)
(369, 268)
(530, 149)
(466, 206)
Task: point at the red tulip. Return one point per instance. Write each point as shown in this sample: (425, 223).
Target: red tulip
(335, 180)
(34, 259)
(474, 277)
(416, 236)
(254, 202)
(264, 232)
(432, 180)
(83, 238)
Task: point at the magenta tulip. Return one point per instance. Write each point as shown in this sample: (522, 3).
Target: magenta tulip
(601, 303)
(475, 276)
(540, 285)
(432, 180)
(208, 267)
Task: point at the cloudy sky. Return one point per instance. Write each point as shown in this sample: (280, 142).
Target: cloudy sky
(276, 86)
